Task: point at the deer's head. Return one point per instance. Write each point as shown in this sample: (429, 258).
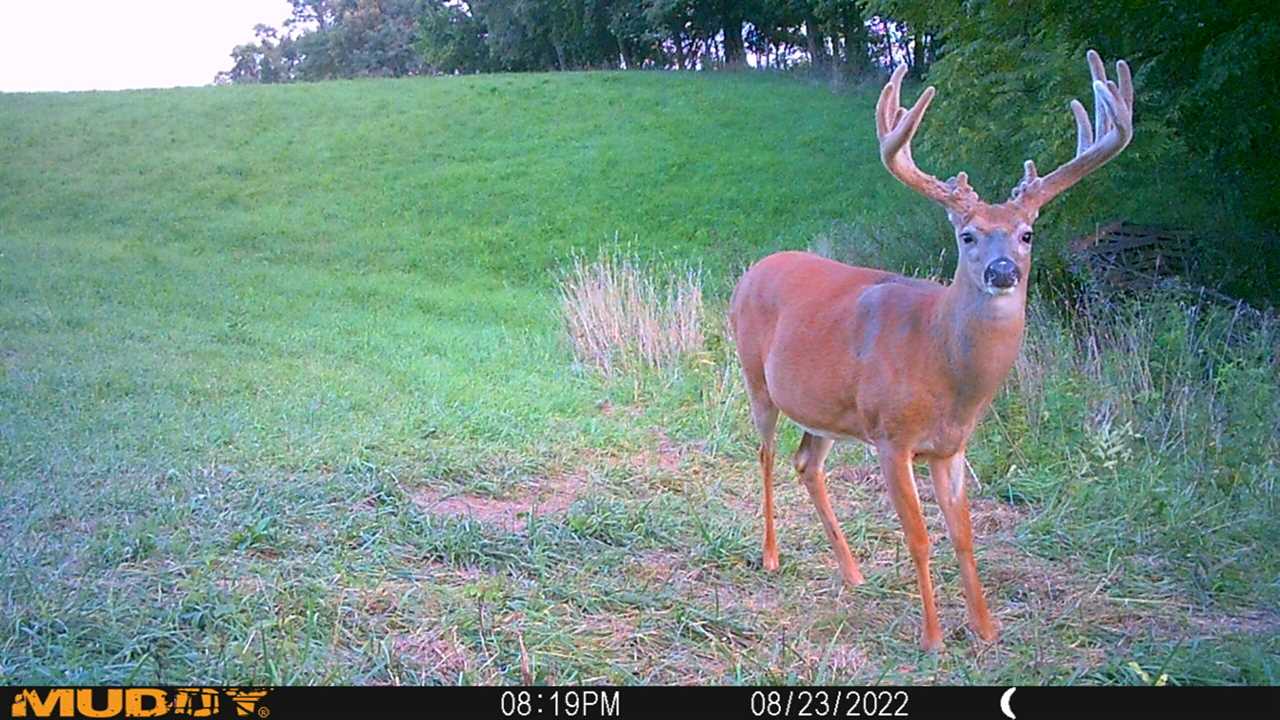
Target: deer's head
(994, 241)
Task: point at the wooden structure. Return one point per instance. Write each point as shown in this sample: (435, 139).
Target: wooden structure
(1123, 255)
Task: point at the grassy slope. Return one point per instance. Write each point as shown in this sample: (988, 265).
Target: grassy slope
(213, 235)
(242, 329)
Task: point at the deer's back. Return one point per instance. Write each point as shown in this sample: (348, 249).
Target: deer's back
(835, 347)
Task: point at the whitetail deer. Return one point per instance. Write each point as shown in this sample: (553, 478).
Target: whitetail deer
(906, 365)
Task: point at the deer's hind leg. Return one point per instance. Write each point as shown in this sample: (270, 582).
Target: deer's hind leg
(764, 414)
(809, 461)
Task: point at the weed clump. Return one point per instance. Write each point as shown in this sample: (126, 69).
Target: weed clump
(622, 317)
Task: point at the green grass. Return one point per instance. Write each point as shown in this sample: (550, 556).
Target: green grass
(253, 338)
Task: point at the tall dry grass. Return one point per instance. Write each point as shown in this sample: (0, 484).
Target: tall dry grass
(621, 316)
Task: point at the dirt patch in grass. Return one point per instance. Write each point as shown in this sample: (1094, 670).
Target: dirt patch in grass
(846, 659)
(866, 476)
(666, 455)
(442, 573)
(551, 496)
(385, 597)
(73, 525)
(437, 651)
(240, 584)
(613, 629)
(748, 600)
(995, 517)
(1263, 622)
(664, 465)
(656, 567)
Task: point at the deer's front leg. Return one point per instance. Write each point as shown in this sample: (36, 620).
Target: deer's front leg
(896, 465)
(949, 488)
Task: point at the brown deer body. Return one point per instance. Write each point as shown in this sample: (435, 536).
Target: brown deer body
(905, 365)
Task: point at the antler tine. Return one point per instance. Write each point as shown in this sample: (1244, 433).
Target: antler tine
(895, 127)
(1099, 73)
(1096, 144)
(1084, 130)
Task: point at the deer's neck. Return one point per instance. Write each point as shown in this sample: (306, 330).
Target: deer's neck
(980, 336)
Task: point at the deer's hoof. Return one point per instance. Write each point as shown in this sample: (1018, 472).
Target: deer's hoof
(853, 579)
(771, 561)
(988, 631)
(931, 642)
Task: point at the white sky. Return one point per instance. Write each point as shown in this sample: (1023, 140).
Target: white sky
(118, 44)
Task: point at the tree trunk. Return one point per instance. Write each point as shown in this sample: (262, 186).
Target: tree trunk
(622, 54)
(559, 46)
(855, 44)
(918, 66)
(817, 42)
(733, 51)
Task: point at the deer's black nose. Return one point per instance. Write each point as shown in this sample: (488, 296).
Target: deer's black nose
(1001, 273)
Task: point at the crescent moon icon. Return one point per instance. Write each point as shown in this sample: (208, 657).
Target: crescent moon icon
(1004, 704)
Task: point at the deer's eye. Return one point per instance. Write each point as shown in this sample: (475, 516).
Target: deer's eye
(1026, 237)
(967, 238)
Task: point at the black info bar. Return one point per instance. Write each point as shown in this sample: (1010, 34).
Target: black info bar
(994, 703)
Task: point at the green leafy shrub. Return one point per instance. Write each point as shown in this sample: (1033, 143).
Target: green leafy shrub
(1205, 119)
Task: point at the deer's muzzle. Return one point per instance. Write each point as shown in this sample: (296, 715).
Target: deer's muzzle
(1001, 275)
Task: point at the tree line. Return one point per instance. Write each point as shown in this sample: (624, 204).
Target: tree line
(1207, 71)
(327, 39)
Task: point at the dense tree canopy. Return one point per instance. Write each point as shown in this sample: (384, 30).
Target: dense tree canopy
(327, 39)
(352, 38)
(1208, 75)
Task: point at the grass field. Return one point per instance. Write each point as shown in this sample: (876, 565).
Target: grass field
(285, 398)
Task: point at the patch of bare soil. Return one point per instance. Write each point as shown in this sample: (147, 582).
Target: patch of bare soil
(867, 476)
(846, 659)
(551, 496)
(665, 464)
(436, 650)
(674, 572)
(1247, 622)
(241, 584)
(442, 573)
(385, 597)
(668, 455)
(656, 567)
(612, 629)
(994, 517)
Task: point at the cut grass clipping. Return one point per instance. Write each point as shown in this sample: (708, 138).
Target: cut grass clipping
(621, 317)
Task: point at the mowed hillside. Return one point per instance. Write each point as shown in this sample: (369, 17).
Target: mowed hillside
(285, 397)
(340, 264)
